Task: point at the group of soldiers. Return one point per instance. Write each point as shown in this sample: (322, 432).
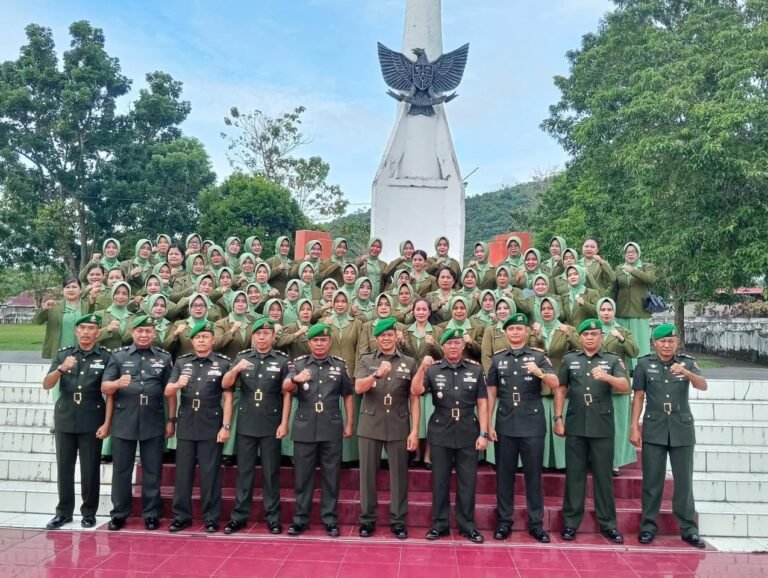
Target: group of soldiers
(141, 393)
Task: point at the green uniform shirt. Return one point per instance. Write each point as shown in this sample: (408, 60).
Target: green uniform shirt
(667, 419)
(260, 409)
(590, 403)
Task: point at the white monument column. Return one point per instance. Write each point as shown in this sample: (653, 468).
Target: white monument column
(418, 193)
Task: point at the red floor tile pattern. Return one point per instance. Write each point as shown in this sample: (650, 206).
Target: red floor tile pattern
(102, 554)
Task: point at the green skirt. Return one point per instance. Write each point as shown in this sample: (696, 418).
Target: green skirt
(170, 443)
(350, 452)
(427, 409)
(554, 446)
(287, 441)
(623, 452)
(641, 329)
(229, 446)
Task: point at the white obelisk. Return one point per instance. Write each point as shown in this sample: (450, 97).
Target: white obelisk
(418, 193)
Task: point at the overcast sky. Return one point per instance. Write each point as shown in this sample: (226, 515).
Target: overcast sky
(277, 54)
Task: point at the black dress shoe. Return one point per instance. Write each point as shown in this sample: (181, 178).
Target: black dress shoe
(540, 534)
(472, 536)
(211, 526)
(502, 532)
(106, 459)
(646, 537)
(615, 472)
(367, 529)
(694, 540)
(427, 466)
(57, 522)
(88, 521)
(116, 524)
(296, 529)
(233, 526)
(614, 536)
(436, 533)
(568, 534)
(399, 531)
(228, 461)
(179, 525)
(151, 523)
(275, 527)
(332, 530)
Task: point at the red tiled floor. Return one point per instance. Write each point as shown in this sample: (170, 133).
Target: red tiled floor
(368, 570)
(317, 552)
(305, 569)
(484, 557)
(590, 561)
(538, 559)
(372, 554)
(263, 550)
(129, 562)
(428, 571)
(191, 565)
(235, 567)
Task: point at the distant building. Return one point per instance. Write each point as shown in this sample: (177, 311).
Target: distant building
(19, 309)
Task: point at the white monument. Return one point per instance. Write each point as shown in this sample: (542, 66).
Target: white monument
(418, 192)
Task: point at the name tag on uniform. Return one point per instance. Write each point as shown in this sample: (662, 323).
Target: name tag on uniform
(470, 379)
(527, 378)
(653, 371)
(273, 368)
(215, 373)
(97, 366)
(334, 371)
(159, 364)
(575, 365)
(129, 364)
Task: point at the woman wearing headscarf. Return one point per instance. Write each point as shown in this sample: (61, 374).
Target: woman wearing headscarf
(503, 280)
(473, 331)
(104, 298)
(95, 286)
(486, 274)
(109, 257)
(162, 244)
(313, 251)
(280, 264)
(494, 337)
(348, 278)
(333, 268)
(580, 302)
(372, 267)
(157, 307)
(177, 340)
(403, 261)
(137, 268)
(232, 252)
(618, 340)
(441, 297)
(556, 339)
(554, 265)
(403, 310)
(59, 318)
(400, 276)
(595, 265)
(152, 286)
(633, 284)
(485, 315)
(293, 339)
(193, 243)
(273, 309)
(531, 269)
(514, 258)
(324, 305)
(254, 246)
(384, 305)
(206, 286)
(175, 260)
(293, 292)
(441, 258)
(186, 281)
(116, 319)
(246, 269)
(362, 306)
(570, 257)
(421, 281)
(468, 289)
(307, 275)
(262, 274)
(255, 301)
(541, 288)
(216, 259)
(206, 246)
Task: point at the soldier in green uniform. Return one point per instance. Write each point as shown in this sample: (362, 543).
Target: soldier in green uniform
(517, 374)
(203, 426)
(136, 376)
(661, 381)
(258, 373)
(455, 432)
(319, 381)
(589, 376)
(81, 420)
(389, 419)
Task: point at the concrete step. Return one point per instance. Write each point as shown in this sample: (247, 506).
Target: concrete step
(36, 440)
(729, 486)
(727, 389)
(729, 410)
(735, 519)
(29, 373)
(26, 415)
(42, 497)
(731, 433)
(738, 459)
(26, 467)
(19, 392)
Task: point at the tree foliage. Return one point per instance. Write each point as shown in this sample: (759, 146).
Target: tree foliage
(263, 146)
(664, 115)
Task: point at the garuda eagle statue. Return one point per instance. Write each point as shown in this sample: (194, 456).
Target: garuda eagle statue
(423, 82)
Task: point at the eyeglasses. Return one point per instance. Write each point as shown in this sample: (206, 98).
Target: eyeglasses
(198, 305)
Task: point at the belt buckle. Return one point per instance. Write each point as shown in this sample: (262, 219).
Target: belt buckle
(455, 413)
(668, 408)
(319, 407)
(143, 399)
(77, 397)
(388, 399)
(587, 398)
(196, 404)
(257, 395)
(516, 397)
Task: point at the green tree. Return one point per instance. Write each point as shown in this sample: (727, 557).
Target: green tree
(664, 115)
(245, 205)
(262, 145)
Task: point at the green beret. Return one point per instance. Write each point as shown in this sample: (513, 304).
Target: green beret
(383, 325)
(516, 319)
(590, 324)
(451, 334)
(143, 321)
(201, 326)
(319, 330)
(664, 330)
(263, 323)
(90, 318)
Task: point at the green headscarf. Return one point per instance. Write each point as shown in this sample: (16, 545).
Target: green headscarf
(468, 292)
(250, 277)
(249, 247)
(120, 313)
(278, 242)
(190, 237)
(482, 316)
(228, 243)
(547, 327)
(196, 285)
(512, 310)
(551, 263)
(389, 298)
(437, 255)
(465, 325)
(191, 321)
(349, 288)
(106, 262)
(264, 288)
(159, 256)
(607, 327)
(374, 266)
(322, 288)
(499, 291)
(143, 263)
(580, 288)
(218, 249)
(290, 312)
(269, 304)
(251, 307)
(336, 242)
(515, 262)
(159, 267)
(364, 304)
(637, 263)
(164, 288)
(307, 255)
(483, 266)
(228, 296)
(188, 266)
(299, 304)
(396, 276)
(344, 319)
(406, 264)
(303, 267)
(399, 306)
(537, 298)
(530, 275)
(161, 324)
(243, 318)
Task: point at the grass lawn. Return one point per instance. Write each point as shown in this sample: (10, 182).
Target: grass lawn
(709, 363)
(21, 337)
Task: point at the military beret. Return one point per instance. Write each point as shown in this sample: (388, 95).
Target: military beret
(383, 325)
(143, 321)
(90, 318)
(588, 324)
(516, 319)
(451, 334)
(664, 330)
(319, 330)
(263, 323)
(201, 326)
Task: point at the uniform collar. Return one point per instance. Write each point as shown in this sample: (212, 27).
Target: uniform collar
(255, 353)
(517, 352)
(209, 357)
(674, 359)
(379, 354)
(95, 350)
(318, 361)
(132, 349)
(598, 353)
(445, 363)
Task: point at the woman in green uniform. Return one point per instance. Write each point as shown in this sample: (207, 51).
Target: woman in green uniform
(494, 337)
(59, 319)
(162, 244)
(194, 268)
(618, 340)
(349, 278)
(177, 340)
(631, 288)
(441, 258)
(116, 319)
(503, 282)
(254, 246)
(400, 276)
(109, 257)
(96, 277)
(246, 270)
(157, 307)
(307, 275)
(403, 261)
(313, 251)
(468, 289)
(216, 259)
(531, 269)
(472, 331)
(422, 282)
(554, 265)
(403, 310)
(323, 306)
(332, 268)
(233, 245)
(514, 258)
(225, 291)
(274, 309)
(372, 267)
(193, 243)
(486, 273)
(366, 343)
(293, 338)
(485, 316)
(441, 297)
(595, 265)
(293, 292)
(263, 274)
(136, 269)
(255, 302)
(556, 339)
(362, 306)
(280, 264)
(530, 304)
(580, 302)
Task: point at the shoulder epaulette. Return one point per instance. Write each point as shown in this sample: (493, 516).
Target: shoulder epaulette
(185, 355)
(244, 351)
(161, 350)
(65, 348)
(301, 357)
(337, 358)
(610, 353)
(222, 356)
(537, 349)
(472, 361)
(499, 351)
(686, 356)
(281, 352)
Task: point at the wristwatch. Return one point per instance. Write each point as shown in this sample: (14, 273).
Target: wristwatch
(173, 420)
(483, 434)
(227, 426)
(557, 417)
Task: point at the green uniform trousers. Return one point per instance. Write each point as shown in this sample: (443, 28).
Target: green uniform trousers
(123, 460)
(370, 459)
(581, 454)
(654, 473)
(68, 445)
(443, 461)
(248, 448)
(206, 454)
(306, 455)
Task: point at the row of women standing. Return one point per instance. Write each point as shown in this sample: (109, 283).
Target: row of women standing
(232, 284)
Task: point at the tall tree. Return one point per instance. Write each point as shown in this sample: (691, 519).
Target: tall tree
(664, 115)
(262, 145)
